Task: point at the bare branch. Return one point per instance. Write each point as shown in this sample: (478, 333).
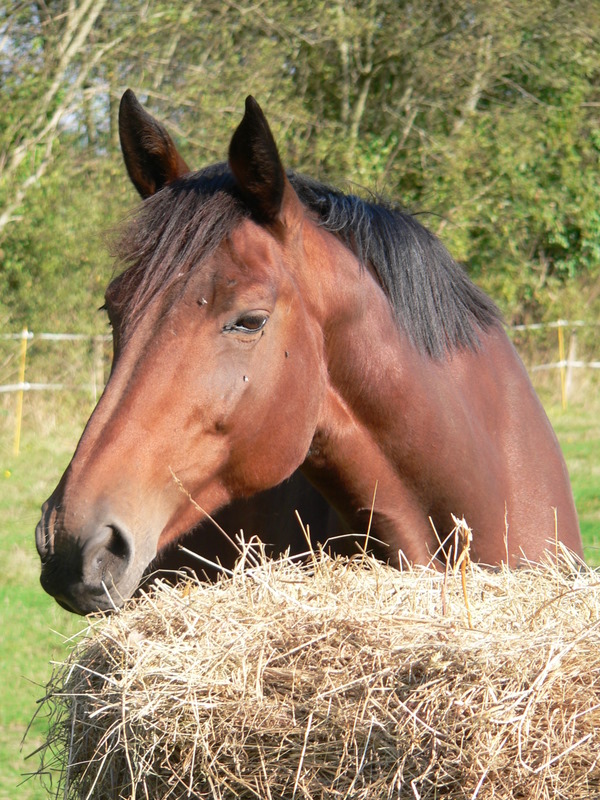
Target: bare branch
(43, 129)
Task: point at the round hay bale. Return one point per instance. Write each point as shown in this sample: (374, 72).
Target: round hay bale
(338, 679)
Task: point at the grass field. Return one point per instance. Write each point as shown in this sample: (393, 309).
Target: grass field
(34, 628)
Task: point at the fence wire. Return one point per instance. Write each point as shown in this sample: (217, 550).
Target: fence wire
(80, 363)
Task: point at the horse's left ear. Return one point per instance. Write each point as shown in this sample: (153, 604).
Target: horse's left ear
(256, 165)
(151, 158)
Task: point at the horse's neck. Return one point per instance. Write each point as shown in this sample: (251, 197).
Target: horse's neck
(349, 464)
(377, 381)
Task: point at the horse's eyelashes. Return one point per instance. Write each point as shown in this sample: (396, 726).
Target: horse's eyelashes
(252, 322)
(247, 323)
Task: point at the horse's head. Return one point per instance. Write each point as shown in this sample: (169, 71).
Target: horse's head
(218, 373)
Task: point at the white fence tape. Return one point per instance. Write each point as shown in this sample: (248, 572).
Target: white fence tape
(38, 387)
(58, 337)
(567, 365)
(78, 337)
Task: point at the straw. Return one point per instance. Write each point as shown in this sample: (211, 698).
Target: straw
(338, 678)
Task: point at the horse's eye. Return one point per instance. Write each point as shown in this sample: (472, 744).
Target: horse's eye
(248, 323)
(252, 322)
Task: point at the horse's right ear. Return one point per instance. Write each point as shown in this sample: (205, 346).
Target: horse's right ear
(256, 166)
(150, 155)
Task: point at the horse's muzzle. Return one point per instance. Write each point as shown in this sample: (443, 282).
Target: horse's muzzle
(86, 572)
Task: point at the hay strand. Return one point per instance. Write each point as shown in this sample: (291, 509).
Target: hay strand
(338, 679)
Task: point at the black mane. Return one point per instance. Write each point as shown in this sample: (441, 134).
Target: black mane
(435, 303)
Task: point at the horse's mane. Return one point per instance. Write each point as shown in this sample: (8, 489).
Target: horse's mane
(435, 303)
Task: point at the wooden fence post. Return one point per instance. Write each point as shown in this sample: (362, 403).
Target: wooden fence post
(571, 358)
(20, 392)
(561, 359)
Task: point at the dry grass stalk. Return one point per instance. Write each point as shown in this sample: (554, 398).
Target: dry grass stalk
(338, 679)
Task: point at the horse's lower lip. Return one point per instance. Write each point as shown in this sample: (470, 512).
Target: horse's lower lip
(67, 606)
(91, 604)
(79, 598)
(65, 601)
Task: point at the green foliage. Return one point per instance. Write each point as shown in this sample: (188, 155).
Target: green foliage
(483, 114)
(54, 268)
(526, 171)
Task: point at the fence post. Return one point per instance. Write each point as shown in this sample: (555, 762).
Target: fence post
(19, 412)
(571, 358)
(561, 358)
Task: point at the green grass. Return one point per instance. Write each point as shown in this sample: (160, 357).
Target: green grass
(28, 641)
(30, 619)
(579, 433)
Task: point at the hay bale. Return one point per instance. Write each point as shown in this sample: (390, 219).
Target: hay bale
(338, 679)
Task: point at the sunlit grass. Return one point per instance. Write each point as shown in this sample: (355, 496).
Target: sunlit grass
(578, 430)
(30, 619)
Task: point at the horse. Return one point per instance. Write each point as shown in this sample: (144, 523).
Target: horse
(278, 345)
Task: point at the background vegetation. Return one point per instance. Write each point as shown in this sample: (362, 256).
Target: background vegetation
(484, 114)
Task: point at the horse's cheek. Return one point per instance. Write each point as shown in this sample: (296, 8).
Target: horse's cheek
(303, 397)
(280, 420)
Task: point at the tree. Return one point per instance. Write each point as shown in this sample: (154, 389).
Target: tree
(41, 98)
(484, 114)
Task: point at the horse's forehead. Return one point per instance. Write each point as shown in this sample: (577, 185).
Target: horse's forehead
(254, 246)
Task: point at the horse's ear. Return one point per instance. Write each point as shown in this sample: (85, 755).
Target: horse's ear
(256, 166)
(150, 155)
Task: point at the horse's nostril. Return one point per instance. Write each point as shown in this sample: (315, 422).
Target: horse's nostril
(44, 531)
(41, 540)
(119, 544)
(106, 555)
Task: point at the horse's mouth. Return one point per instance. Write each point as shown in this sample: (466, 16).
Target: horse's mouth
(77, 597)
(63, 578)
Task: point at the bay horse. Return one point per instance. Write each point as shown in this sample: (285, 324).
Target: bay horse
(271, 335)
